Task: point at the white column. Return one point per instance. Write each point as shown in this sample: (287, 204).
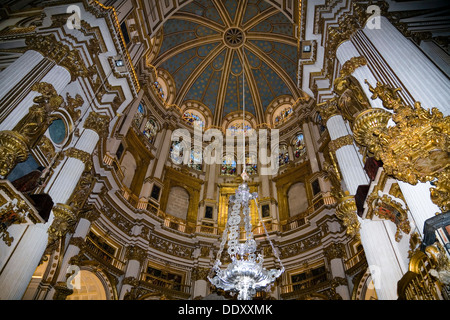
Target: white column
(381, 258)
(18, 70)
(133, 268)
(58, 76)
(419, 202)
(164, 152)
(347, 156)
(310, 148)
(345, 52)
(17, 272)
(416, 71)
(338, 271)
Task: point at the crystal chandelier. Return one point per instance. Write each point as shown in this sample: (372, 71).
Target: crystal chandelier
(245, 274)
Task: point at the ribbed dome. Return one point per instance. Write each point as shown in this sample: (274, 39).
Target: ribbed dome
(206, 44)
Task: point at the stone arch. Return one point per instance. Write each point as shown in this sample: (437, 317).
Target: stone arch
(89, 286)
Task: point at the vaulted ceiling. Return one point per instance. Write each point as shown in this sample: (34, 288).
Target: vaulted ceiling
(207, 44)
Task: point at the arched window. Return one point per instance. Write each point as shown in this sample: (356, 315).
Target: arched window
(192, 118)
(228, 165)
(283, 154)
(236, 128)
(282, 114)
(298, 145)
(251, 166)
(176, 152)
(139, 116)
(159, 89)
(150, 130)
(196, 156)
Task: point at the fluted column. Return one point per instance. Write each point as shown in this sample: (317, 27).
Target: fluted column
(347, 155)
(335, 253)
(58, 77)
(419, 75)
(310, 147)
(135, 257)
(199, 277)
(76, 242)
(381, 258)
(21, 265)
(164, 152)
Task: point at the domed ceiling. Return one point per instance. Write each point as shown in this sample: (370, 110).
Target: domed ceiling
(208, 43)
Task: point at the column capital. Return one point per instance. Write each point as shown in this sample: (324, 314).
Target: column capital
(335, 251)
(135, 253)
(338, 143)
(328, 109)
(98, 123)
(65, 218)
(78, 154)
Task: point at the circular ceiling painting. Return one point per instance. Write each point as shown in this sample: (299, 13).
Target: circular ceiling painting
(207, 44)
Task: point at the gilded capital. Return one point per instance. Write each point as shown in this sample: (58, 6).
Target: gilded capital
(64, 219)
(136, 253)
(81, 155)
(13, 149)
(335, 251)
(328, 109)
(347, 212)
(338, 143)
(98, 123)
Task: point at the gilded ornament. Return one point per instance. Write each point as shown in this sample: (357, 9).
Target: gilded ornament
(338, 143)
(347, 212)
(135, 253)
(414, 150)
(385, 206)
(64, 219)
(13, 149)
(72, 104)
(98, 123)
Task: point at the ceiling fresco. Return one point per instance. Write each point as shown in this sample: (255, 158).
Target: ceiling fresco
(207, 44)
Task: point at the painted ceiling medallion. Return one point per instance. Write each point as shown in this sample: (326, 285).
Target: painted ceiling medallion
(234, 37)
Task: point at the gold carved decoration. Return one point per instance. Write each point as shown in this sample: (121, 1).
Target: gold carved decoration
(387, 207)
(351, 99)
(81, 155)
(72, 104)
(328, 109)
(135, 253)
(346, 211)
(14, 144)
(338, 143)
(98, 123)
(60, 53)
(416, 149)
(13, 149)
(335, 251)
(64, 220)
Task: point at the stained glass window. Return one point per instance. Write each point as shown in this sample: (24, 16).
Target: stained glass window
(299, 145)
(193, 119)
(139, 116)
(176, 152)
(159, 89)
(150, 130)
(237, 127)
(230, 167)
(196, 156)
(283, 155)
(283, 115)
(251, 166)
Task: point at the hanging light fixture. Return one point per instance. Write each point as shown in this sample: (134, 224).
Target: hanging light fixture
(245, 274)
